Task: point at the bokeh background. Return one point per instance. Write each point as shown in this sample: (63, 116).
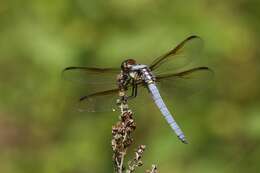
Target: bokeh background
(41, 132)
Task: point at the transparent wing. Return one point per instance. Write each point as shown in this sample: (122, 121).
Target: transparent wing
(95, 79)
(183, 54)
(99, 102)
(182, 84)
(106, 100)
(186, 83)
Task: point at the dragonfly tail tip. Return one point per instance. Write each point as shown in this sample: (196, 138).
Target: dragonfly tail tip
(183, 140)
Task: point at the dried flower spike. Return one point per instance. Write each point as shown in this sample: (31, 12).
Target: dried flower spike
(122, 135)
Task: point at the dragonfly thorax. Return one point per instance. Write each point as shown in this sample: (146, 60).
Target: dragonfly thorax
(141, 72)
(147, 75)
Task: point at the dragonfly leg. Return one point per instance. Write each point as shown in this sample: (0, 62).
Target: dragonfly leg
(136, 87)
(134, 90)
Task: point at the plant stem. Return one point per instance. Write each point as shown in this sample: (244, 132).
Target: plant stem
(122, 135)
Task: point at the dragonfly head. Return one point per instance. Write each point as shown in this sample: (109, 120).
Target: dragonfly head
(128, 64)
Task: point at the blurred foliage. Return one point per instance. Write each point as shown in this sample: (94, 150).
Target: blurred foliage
(41, 132)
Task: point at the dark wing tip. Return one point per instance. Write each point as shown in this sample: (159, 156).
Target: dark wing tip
(204, 68)
(66, 69)
(70, 68)
(193, 36)
(209, 69)
(83, 98)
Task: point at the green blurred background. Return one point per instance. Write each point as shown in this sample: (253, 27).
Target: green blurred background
(41, 132)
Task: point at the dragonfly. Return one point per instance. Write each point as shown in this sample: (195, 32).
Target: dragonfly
(163, 69)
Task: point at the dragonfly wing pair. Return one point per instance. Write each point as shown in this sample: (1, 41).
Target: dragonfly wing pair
(100, 84)
(186, 52)
(97, 79)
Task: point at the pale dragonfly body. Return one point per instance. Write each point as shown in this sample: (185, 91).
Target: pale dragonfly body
(149, 79)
